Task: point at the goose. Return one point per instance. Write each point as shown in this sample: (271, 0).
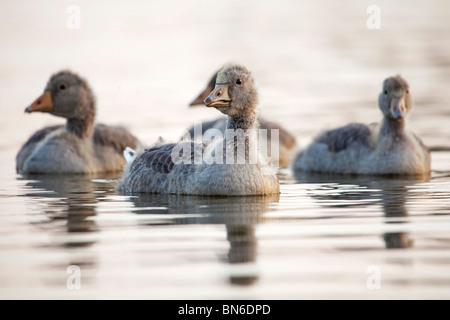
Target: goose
(80, 146)
(377, 149)
(226, 166)
(287, 142)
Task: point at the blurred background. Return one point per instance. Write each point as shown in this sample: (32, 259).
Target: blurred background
(317, 66)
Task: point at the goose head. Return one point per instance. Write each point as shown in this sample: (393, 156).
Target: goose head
(235, 92)
(395, 100)
(66, 95)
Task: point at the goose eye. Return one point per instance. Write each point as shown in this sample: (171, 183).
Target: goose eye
(238, 81)
(62, 87)
(385, 92)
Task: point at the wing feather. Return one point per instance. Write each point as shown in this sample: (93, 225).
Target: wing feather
(342, 138)
(159, 158)
(117, 138)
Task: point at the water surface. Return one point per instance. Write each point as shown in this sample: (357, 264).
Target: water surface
(317, 66)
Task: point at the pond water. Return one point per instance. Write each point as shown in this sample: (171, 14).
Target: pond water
(317, 67)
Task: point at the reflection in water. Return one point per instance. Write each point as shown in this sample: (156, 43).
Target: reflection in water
(242, 249)
(238, 214)
(67, 201)
(394, 195)
(390, 192)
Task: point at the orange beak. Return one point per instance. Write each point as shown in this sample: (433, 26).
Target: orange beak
(219, 97)
(42, 104)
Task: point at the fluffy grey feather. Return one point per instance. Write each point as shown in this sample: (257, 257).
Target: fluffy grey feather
(287, 141)
(384, 149)
(155, 171)
(80, 146)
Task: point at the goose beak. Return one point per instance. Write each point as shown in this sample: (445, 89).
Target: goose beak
(201, 97)
(219, 97)
(42, 104)
(398, 108)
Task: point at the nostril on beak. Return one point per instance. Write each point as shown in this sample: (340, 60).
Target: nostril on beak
(218, 94)
(39, 102)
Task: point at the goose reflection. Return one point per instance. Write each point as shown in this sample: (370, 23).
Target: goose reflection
(361, 191)
(240, 215)
(66, 202)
